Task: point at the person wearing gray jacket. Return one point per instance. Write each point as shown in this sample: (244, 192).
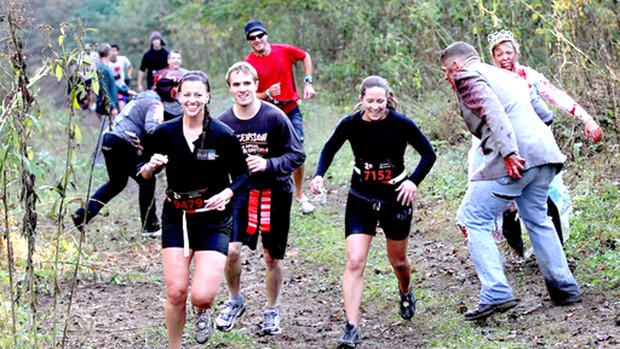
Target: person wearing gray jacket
(521, 158)
(123, 148)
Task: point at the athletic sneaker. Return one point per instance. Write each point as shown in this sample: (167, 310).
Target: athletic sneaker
(226, 320)
(271, 323)
(407, 305)
(152, 231)
(306, 206)
(203, 327)
(351, 336)
(78, 220)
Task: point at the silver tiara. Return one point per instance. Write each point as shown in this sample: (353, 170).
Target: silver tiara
(500, 36)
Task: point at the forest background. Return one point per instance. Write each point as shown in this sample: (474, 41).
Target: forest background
(44, 172)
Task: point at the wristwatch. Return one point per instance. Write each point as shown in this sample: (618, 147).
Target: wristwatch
(308, 79)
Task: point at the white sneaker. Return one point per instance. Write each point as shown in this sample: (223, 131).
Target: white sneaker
(152, 234)
(271, 322)
(306, 206)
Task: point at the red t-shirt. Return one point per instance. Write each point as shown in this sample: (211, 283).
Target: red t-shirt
(276, 67)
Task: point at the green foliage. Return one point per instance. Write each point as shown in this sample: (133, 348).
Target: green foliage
(574, 43)
(594, 232)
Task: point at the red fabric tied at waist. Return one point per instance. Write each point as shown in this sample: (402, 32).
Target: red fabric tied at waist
(259, 211)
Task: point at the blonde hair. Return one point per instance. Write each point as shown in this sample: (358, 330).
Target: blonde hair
(243, 67)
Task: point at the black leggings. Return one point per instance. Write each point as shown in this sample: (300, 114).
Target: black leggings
(121, 161)
(511, 226)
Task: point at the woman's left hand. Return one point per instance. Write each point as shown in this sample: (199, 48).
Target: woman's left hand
(219, 201)
(406, 192)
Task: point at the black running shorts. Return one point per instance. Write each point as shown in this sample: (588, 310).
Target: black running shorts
(362, 216)
(274, 241)
(203, 234)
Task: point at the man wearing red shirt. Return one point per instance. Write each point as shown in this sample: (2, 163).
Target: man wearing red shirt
(274, 64)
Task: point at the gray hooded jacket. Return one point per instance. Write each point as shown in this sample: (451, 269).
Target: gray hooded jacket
(139, 117)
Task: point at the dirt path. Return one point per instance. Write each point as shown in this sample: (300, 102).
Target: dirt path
(114, 309)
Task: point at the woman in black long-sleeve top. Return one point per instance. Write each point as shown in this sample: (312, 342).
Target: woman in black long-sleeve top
(381, 192)
(201, 155)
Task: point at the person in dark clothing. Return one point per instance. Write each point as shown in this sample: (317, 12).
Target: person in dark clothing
(123, 150)
(153, 60)
(381, 192)
(273, 152)
(201, 155)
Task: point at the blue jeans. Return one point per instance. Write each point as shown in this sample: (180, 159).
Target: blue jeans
(297, 120)
(483, 201)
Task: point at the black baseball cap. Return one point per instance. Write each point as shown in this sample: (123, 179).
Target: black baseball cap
(254, 25)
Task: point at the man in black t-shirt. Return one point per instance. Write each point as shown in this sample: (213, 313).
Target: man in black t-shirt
(153, 60)
(273, 152)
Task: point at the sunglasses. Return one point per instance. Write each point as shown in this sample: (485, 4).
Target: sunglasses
(257, 36)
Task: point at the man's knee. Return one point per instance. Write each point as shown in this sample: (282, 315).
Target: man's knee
(271, 262)
(234, 253)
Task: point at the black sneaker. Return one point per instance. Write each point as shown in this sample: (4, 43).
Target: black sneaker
(483, 311)
(351, 336)
(78, 220)
(203, 327)
(407, 305)
(572, 299)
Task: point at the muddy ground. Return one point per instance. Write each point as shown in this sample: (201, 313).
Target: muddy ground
(119, 304)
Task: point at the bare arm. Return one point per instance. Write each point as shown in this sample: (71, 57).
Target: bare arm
(308, 88)
(140, 77)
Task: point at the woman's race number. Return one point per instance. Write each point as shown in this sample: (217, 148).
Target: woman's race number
(188, 204)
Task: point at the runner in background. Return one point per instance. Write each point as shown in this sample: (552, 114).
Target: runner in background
(274, 64)
(122, 69)
(123, 150)
(173, 109)
(107, 99)
(153, 60)
(88, 60)
(175, 60)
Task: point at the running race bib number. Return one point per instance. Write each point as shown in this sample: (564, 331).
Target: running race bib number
(189, 204)
(192, 200)
(377, 172)
(377, 175)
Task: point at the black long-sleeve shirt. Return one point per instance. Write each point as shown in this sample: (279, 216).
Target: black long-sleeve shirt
(379, 149)
(224, 160)
(269, 134)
